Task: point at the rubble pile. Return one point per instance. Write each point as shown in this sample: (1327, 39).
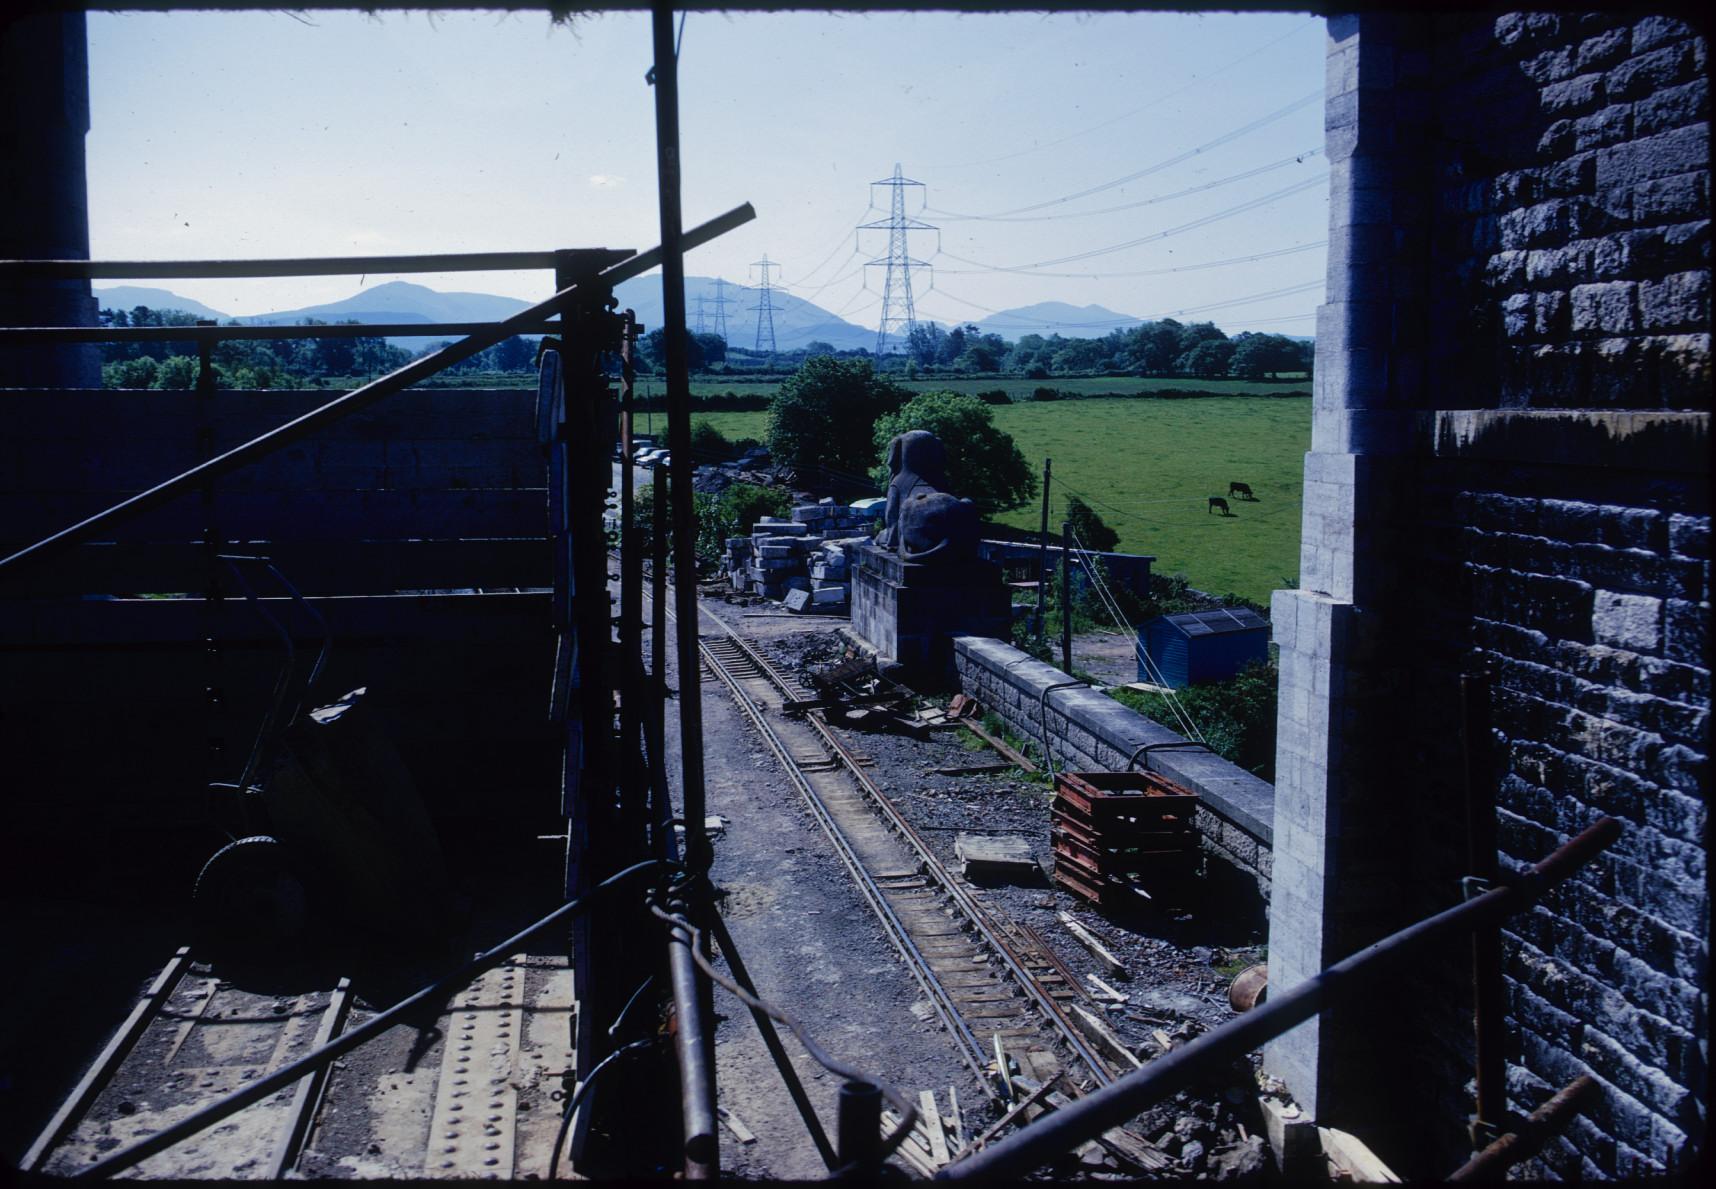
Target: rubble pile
(804, 561)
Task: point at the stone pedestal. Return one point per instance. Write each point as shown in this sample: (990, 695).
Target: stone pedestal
(911, 612)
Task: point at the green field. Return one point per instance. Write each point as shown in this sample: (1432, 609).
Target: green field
(1016, 387)
(1149, 467)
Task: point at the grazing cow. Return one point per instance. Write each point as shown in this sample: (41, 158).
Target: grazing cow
(1217, 504)
(1243, 489)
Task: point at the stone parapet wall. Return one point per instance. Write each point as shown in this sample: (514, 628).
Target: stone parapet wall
(1089, 731)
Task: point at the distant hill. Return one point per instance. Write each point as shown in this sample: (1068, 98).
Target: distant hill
(1056, 317)
(129, 297)
(797, 322)
(401, 301)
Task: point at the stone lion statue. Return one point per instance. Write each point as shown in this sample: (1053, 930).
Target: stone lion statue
(924, 523)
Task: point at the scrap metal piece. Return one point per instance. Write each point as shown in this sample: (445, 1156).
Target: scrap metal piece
(472, 1131)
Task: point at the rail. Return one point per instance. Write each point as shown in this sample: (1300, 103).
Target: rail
(1137, 1091)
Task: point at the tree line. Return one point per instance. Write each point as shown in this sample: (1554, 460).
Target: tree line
(1164, 348)
(273, 363)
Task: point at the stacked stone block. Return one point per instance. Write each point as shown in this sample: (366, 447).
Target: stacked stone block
(802, 561)
(1509, 470)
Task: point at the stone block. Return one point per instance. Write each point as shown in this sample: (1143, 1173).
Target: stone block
(1633, 622)
(1610, 306)
(1672, 107)
(1653, 70)
(829, 595)
(1653, 31)
(1677, 302)
(798, 600)
(778, 530)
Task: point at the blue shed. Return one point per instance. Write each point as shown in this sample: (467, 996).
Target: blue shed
(1200, 646)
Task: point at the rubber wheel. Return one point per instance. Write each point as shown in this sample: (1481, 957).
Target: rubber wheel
(249, 898)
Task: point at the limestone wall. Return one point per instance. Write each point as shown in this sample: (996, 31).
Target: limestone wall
(1509, 471)
(1090, 731)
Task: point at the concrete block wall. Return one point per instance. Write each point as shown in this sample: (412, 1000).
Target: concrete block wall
(1509, 469)
(1089, 731)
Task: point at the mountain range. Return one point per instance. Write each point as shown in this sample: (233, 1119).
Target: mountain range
(797, 321)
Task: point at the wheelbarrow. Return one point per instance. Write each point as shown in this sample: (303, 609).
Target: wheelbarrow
(332, 833)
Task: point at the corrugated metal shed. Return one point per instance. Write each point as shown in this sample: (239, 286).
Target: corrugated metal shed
(1199, 646)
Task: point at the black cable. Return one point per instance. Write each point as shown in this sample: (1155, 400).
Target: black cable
(908, 1111)
(584, 1085)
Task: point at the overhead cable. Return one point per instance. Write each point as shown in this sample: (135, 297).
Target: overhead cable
(1160, 99)
(1168, 163)
(1295, 159)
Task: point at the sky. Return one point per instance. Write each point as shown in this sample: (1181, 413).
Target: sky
(1194, 139)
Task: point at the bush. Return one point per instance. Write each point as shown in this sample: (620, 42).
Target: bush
(1237, 716)
(995, 396)
(1045, 394)
(709, 443)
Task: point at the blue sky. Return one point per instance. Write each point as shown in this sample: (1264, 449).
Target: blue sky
(268, 134)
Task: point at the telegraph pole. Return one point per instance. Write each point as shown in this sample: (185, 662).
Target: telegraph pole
(1042, 559)
(897, 282)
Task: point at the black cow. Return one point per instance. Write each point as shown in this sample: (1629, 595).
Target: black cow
(1217, 504)
(1243, 489)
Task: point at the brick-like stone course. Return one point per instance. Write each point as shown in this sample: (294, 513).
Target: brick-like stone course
(1089, 731)
(1543, 292)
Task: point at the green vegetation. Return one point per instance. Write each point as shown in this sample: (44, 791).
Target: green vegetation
(1148, 467)
(983, 464)
(824, 414)
(1236, 716)
(730, 514)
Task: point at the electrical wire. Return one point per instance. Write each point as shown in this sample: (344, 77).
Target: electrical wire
(1202, 221)
(1182, 716)
(1167, 163)
(1296, 159)
(1127, 115)
(1150, 272)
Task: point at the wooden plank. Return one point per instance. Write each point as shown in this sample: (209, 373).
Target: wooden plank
(1099, 1032)
(322, 567)
(1354, 1157)
(483, 618)
(929, 1116)
(736, 1125)
(1090, 942)
(307, 515)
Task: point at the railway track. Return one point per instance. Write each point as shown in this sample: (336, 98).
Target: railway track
(460, 1108)
(1000, 992)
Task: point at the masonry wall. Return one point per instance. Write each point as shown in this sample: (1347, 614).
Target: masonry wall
(1089, 731)
(1509, 473)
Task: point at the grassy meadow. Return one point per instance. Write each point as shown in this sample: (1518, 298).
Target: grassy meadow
(1149, 467)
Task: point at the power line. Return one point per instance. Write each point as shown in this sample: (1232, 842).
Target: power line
(1296, 159)
(1285, 192)
(897, 281)
(1149, 272)
(765, 307)
(1224, 138)
(1160, 99)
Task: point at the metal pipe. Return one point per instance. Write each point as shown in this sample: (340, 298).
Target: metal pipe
(1489, 1005)
(860, 1130)
(1137, 1091)
(1543, 1124)
(696, 1071)
(435, 993)
(216, 334)
(357, 399)
(1042, 559)
(1066, 598)
(697, 849)
(291, 266)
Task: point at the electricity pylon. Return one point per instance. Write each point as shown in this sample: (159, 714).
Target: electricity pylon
(897, 283)
(721, 302)
(765, 307)
(702, 326)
